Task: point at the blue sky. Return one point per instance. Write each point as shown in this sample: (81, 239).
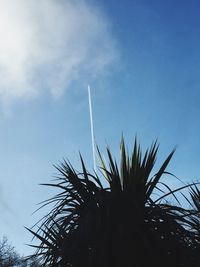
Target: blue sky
(142, 60)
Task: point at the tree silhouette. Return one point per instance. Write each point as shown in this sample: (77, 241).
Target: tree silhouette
(10, 258)
(124, 224)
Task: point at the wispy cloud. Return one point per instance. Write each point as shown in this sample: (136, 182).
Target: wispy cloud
(46, 45)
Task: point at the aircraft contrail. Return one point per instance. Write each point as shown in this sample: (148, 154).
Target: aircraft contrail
(92, 129)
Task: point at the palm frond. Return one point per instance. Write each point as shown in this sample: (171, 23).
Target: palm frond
(90, 225)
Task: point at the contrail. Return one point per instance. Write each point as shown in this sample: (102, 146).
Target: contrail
(92, 129)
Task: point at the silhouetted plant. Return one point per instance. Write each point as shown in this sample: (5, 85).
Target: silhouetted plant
(125, 224)
(8, 256)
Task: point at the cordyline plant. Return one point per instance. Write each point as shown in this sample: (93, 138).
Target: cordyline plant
(125, 224)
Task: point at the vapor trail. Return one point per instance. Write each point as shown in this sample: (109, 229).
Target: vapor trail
(92, 129)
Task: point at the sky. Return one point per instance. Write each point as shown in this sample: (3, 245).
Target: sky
(142, 61)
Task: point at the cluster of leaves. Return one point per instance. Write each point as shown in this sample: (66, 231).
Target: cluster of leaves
(10, 258)
(123, 224)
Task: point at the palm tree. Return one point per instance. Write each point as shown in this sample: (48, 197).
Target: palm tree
(124, 224)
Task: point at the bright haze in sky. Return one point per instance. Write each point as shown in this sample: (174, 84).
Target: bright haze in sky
(142, 61)
(46, 45)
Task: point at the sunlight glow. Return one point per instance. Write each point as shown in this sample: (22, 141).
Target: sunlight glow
(50, 38)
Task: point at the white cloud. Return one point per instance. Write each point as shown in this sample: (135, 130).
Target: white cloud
(48, 44)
